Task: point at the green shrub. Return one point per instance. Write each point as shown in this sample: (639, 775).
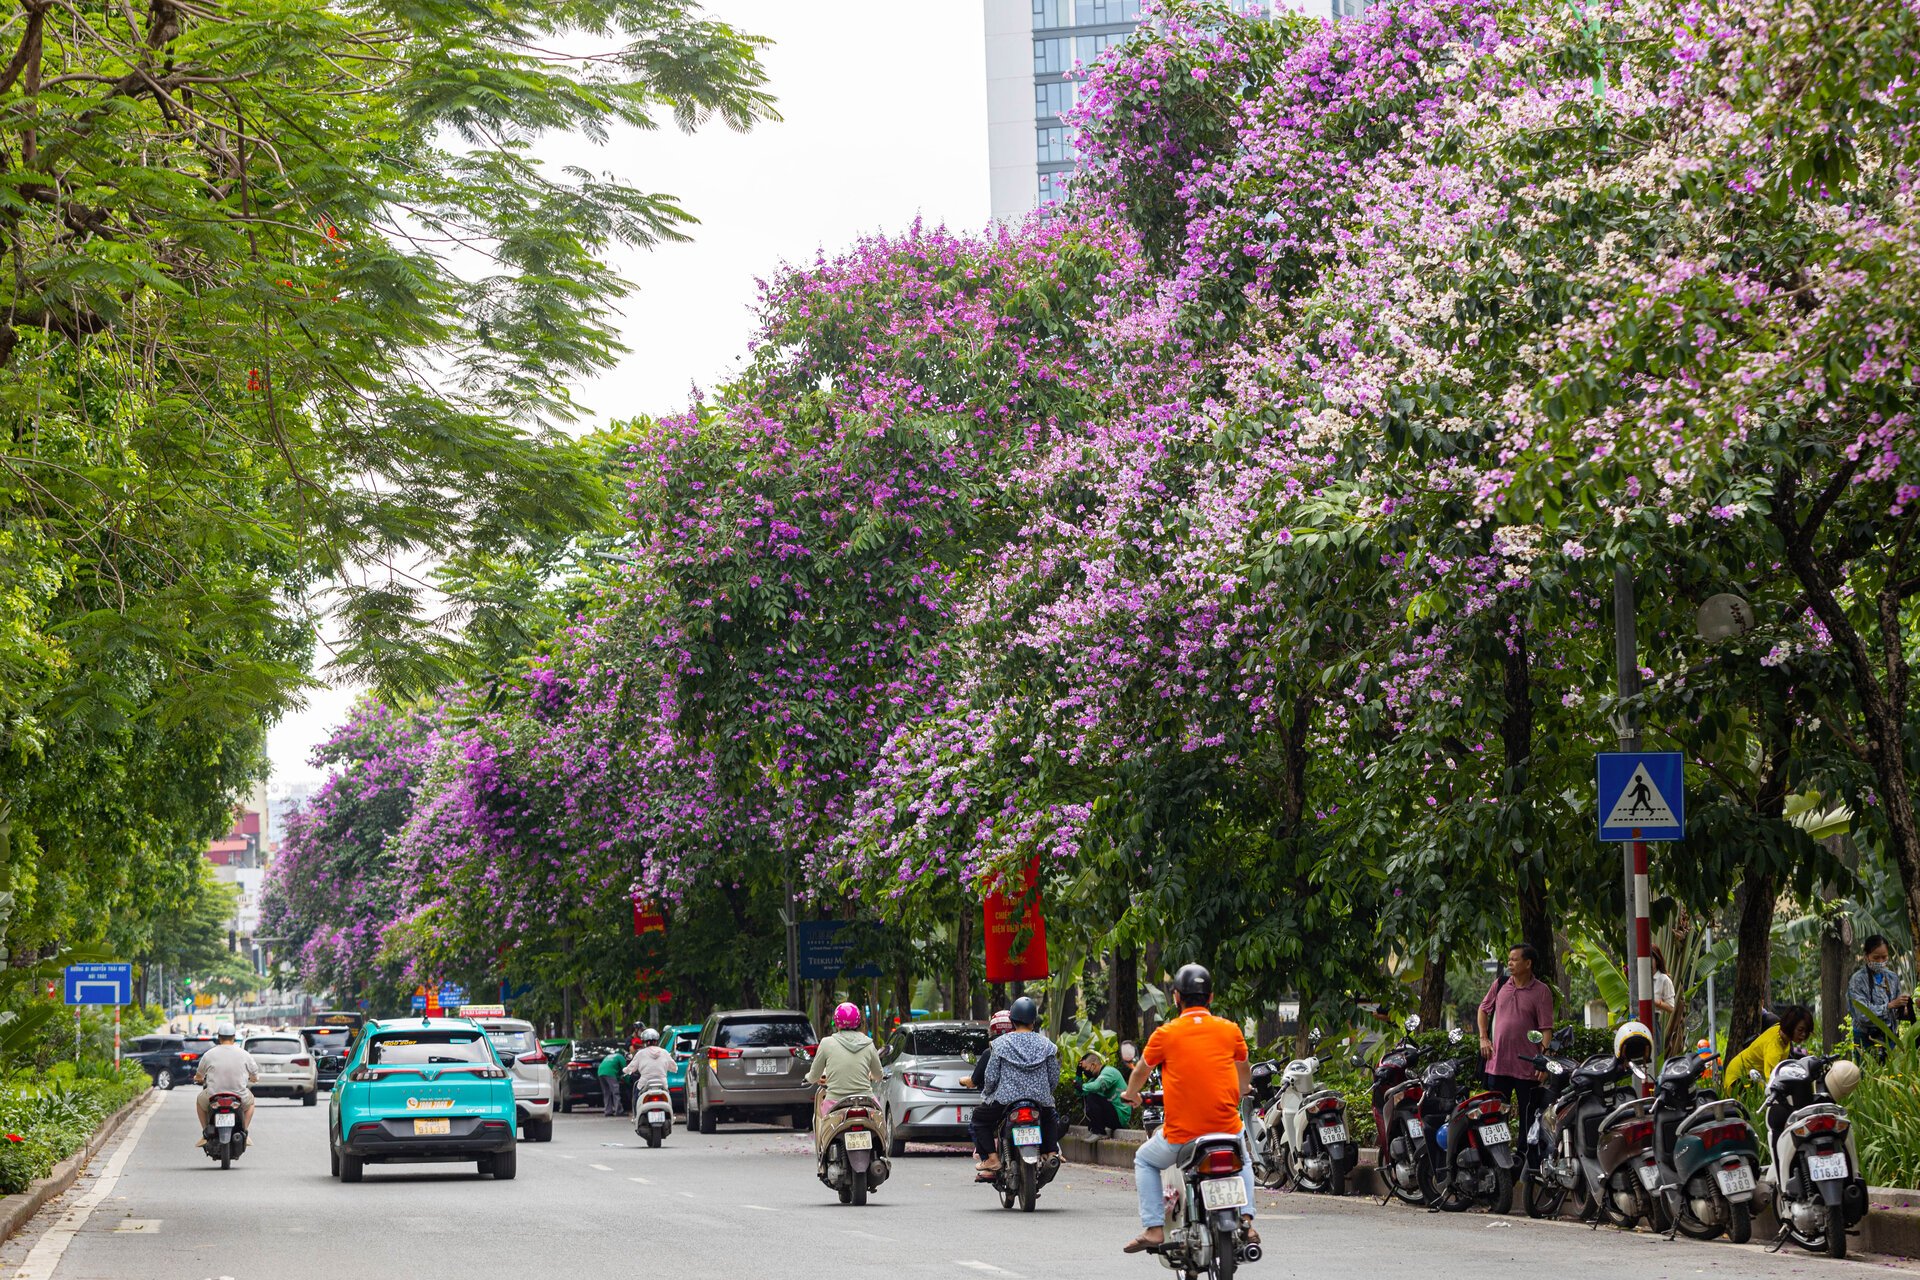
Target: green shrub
(47, 1116)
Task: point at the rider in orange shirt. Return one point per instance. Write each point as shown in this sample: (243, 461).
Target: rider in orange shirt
(1204, 1073)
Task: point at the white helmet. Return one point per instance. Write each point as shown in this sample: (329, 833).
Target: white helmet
(224, 1031)
(1633, 1042)
(649, 1036)
(1843, 1077)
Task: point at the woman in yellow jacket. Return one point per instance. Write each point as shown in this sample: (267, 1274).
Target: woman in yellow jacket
(1770, 1048)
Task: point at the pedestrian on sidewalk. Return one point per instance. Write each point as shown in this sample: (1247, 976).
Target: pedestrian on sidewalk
(609, 1073)
(1518, 1003)
(1771, 1047)
(1874, 996)
(1100, 1090)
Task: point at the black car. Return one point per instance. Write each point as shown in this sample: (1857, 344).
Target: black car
(330, 1046)
(184, 1061)
(582, 1088)
(155, 1053)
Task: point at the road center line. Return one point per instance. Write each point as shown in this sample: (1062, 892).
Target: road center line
(987, 1267)
(761, 1207)
(51, 1247)
(646, 1181)
(604, 1168)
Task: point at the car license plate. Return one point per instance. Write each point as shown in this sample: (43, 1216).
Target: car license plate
(1649, 1176)
(1827, 1168)
(1332, 1133)
(1495, 1133)
(767, 1066)
(224, 1120)
(1026, 1135)
(1735, 1180)
(857, 1140)
(962, 1115)
(1415, 1129)
(426, 1128)
(1223, 1193)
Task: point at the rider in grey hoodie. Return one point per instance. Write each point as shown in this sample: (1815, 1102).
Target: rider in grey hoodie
(1025, 1067)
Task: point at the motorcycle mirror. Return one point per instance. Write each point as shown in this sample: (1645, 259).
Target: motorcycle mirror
(1455, 1036)
(1313, 1036)
(1753, 1075)
(1534, 1037)
(1413, 1023)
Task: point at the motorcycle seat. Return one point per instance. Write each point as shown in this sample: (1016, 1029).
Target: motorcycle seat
(853, 1100)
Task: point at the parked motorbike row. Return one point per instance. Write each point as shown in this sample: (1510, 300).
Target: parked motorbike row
(1627, 1147)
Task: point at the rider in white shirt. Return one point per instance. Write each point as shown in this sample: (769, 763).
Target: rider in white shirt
(226, 1068)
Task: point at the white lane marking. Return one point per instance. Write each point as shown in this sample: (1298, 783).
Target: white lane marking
(868, 1235)
(51, 1247)
(987, 1267)
(566, 1157)
(646, 1181)
(689, 1195)
(604, 1168)
(761, 1207)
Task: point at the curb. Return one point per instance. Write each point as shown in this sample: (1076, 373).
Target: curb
(1891, 1227)
(17, 1210)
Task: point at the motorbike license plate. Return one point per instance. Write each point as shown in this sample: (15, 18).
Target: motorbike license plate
(1026, 1135)
(1332, 1133)
(1415, 1129)
(1649, 1176)
(767, 1066)
(1223, 1193)
(1827, 1168)
(425, 1128)
(224, 1120)
(1734, 1180)
(857, 1140)
(1495, 1133)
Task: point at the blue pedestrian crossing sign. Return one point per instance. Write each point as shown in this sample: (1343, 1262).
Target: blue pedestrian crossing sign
(99, 984)
(1642, 795)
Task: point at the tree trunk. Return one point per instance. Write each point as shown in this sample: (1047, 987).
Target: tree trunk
(1516, 737)
(1123, 994)
(963, 963)
(903, 993)
(1751, 968)
(1433, 989)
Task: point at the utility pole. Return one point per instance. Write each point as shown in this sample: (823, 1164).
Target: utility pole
(1626, 663)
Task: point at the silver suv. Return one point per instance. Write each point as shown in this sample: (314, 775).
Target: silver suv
(533, 1075)
(924, 1096)
(751, 1064)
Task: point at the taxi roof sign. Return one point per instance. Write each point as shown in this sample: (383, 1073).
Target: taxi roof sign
(483, 1011)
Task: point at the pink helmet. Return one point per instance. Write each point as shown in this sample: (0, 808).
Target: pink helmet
(846, 1017)
(1000, 1023)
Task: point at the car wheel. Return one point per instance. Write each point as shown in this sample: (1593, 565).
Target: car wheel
(538, 1130)
(311, 1098)
(896, 1145)
(708, 1121)
(333, 1161)
(566, 1106)
(351, 1167)
(802, 1119)
(504, 1163)
(164, 1080)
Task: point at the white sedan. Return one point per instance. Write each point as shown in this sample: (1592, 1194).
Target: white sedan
(287, 1068)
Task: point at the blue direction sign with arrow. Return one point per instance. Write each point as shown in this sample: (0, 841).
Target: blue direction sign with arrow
(1642, 795)
(99, 984)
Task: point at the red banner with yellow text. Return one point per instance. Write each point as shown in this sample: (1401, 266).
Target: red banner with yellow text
(1016, 931)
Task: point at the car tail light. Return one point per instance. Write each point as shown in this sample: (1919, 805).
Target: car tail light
(189, 1057)
(917, 1079)
(716, 1054)
(809, 1049)
(536, 1058)
(577, 1063)
(1025, 1115)
(362, 1074)
(300, 1062)
(365, 1128)
(1818, 1124)
(1220, 1160)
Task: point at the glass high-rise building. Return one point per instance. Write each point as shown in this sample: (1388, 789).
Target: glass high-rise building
(1033, 48)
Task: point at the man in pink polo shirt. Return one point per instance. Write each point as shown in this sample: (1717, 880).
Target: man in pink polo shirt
(1518, 1003)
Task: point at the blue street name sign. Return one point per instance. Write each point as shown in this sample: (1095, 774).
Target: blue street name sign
(452, 997)
(419, 1004)
(99, 984)
(1642, 795)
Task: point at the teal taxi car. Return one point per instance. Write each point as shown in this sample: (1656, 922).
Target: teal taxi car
(420, 1090)
(679, 1040)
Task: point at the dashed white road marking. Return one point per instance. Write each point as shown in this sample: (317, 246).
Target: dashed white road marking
(51, 1247)
(761, 1207)
(987, 1267)
(868, 1235)
(646, 1181)
(604, 1168)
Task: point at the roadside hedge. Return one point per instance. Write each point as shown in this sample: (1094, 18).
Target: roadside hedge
(46, 1117)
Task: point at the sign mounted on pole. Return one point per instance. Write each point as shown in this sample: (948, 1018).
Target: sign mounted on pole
(99, 984)
(1642, 795)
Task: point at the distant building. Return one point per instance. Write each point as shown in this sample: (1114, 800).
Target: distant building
(240, 858)
(1033, 48)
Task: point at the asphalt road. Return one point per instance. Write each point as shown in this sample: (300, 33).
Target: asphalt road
(595, 1202)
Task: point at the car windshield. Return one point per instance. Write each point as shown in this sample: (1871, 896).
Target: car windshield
(947, 1042)
(275, 1045)
(424, 1048)
(774, 1033)
(511, 1040)
(684, 1042)
(329, 1040)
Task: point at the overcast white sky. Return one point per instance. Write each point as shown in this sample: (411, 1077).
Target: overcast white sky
(884, 106)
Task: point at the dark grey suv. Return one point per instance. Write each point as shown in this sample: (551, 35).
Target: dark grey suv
(751, 1064)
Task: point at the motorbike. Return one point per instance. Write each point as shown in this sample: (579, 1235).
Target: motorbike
(1204, 1203)
(1815, 1173)
(1469, 1140)
(1551, 1166)
(1396, 1118)
(226, 1128)
(1300, 1133)
(848, 1142)
(1626, 1190)
(1023, 1170)
(653, 1115)
(1708, 1157)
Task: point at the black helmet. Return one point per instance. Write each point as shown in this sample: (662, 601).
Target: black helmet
(1193, 984)
(1024, 1012)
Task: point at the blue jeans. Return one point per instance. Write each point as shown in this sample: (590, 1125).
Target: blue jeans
(1155, 1155)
